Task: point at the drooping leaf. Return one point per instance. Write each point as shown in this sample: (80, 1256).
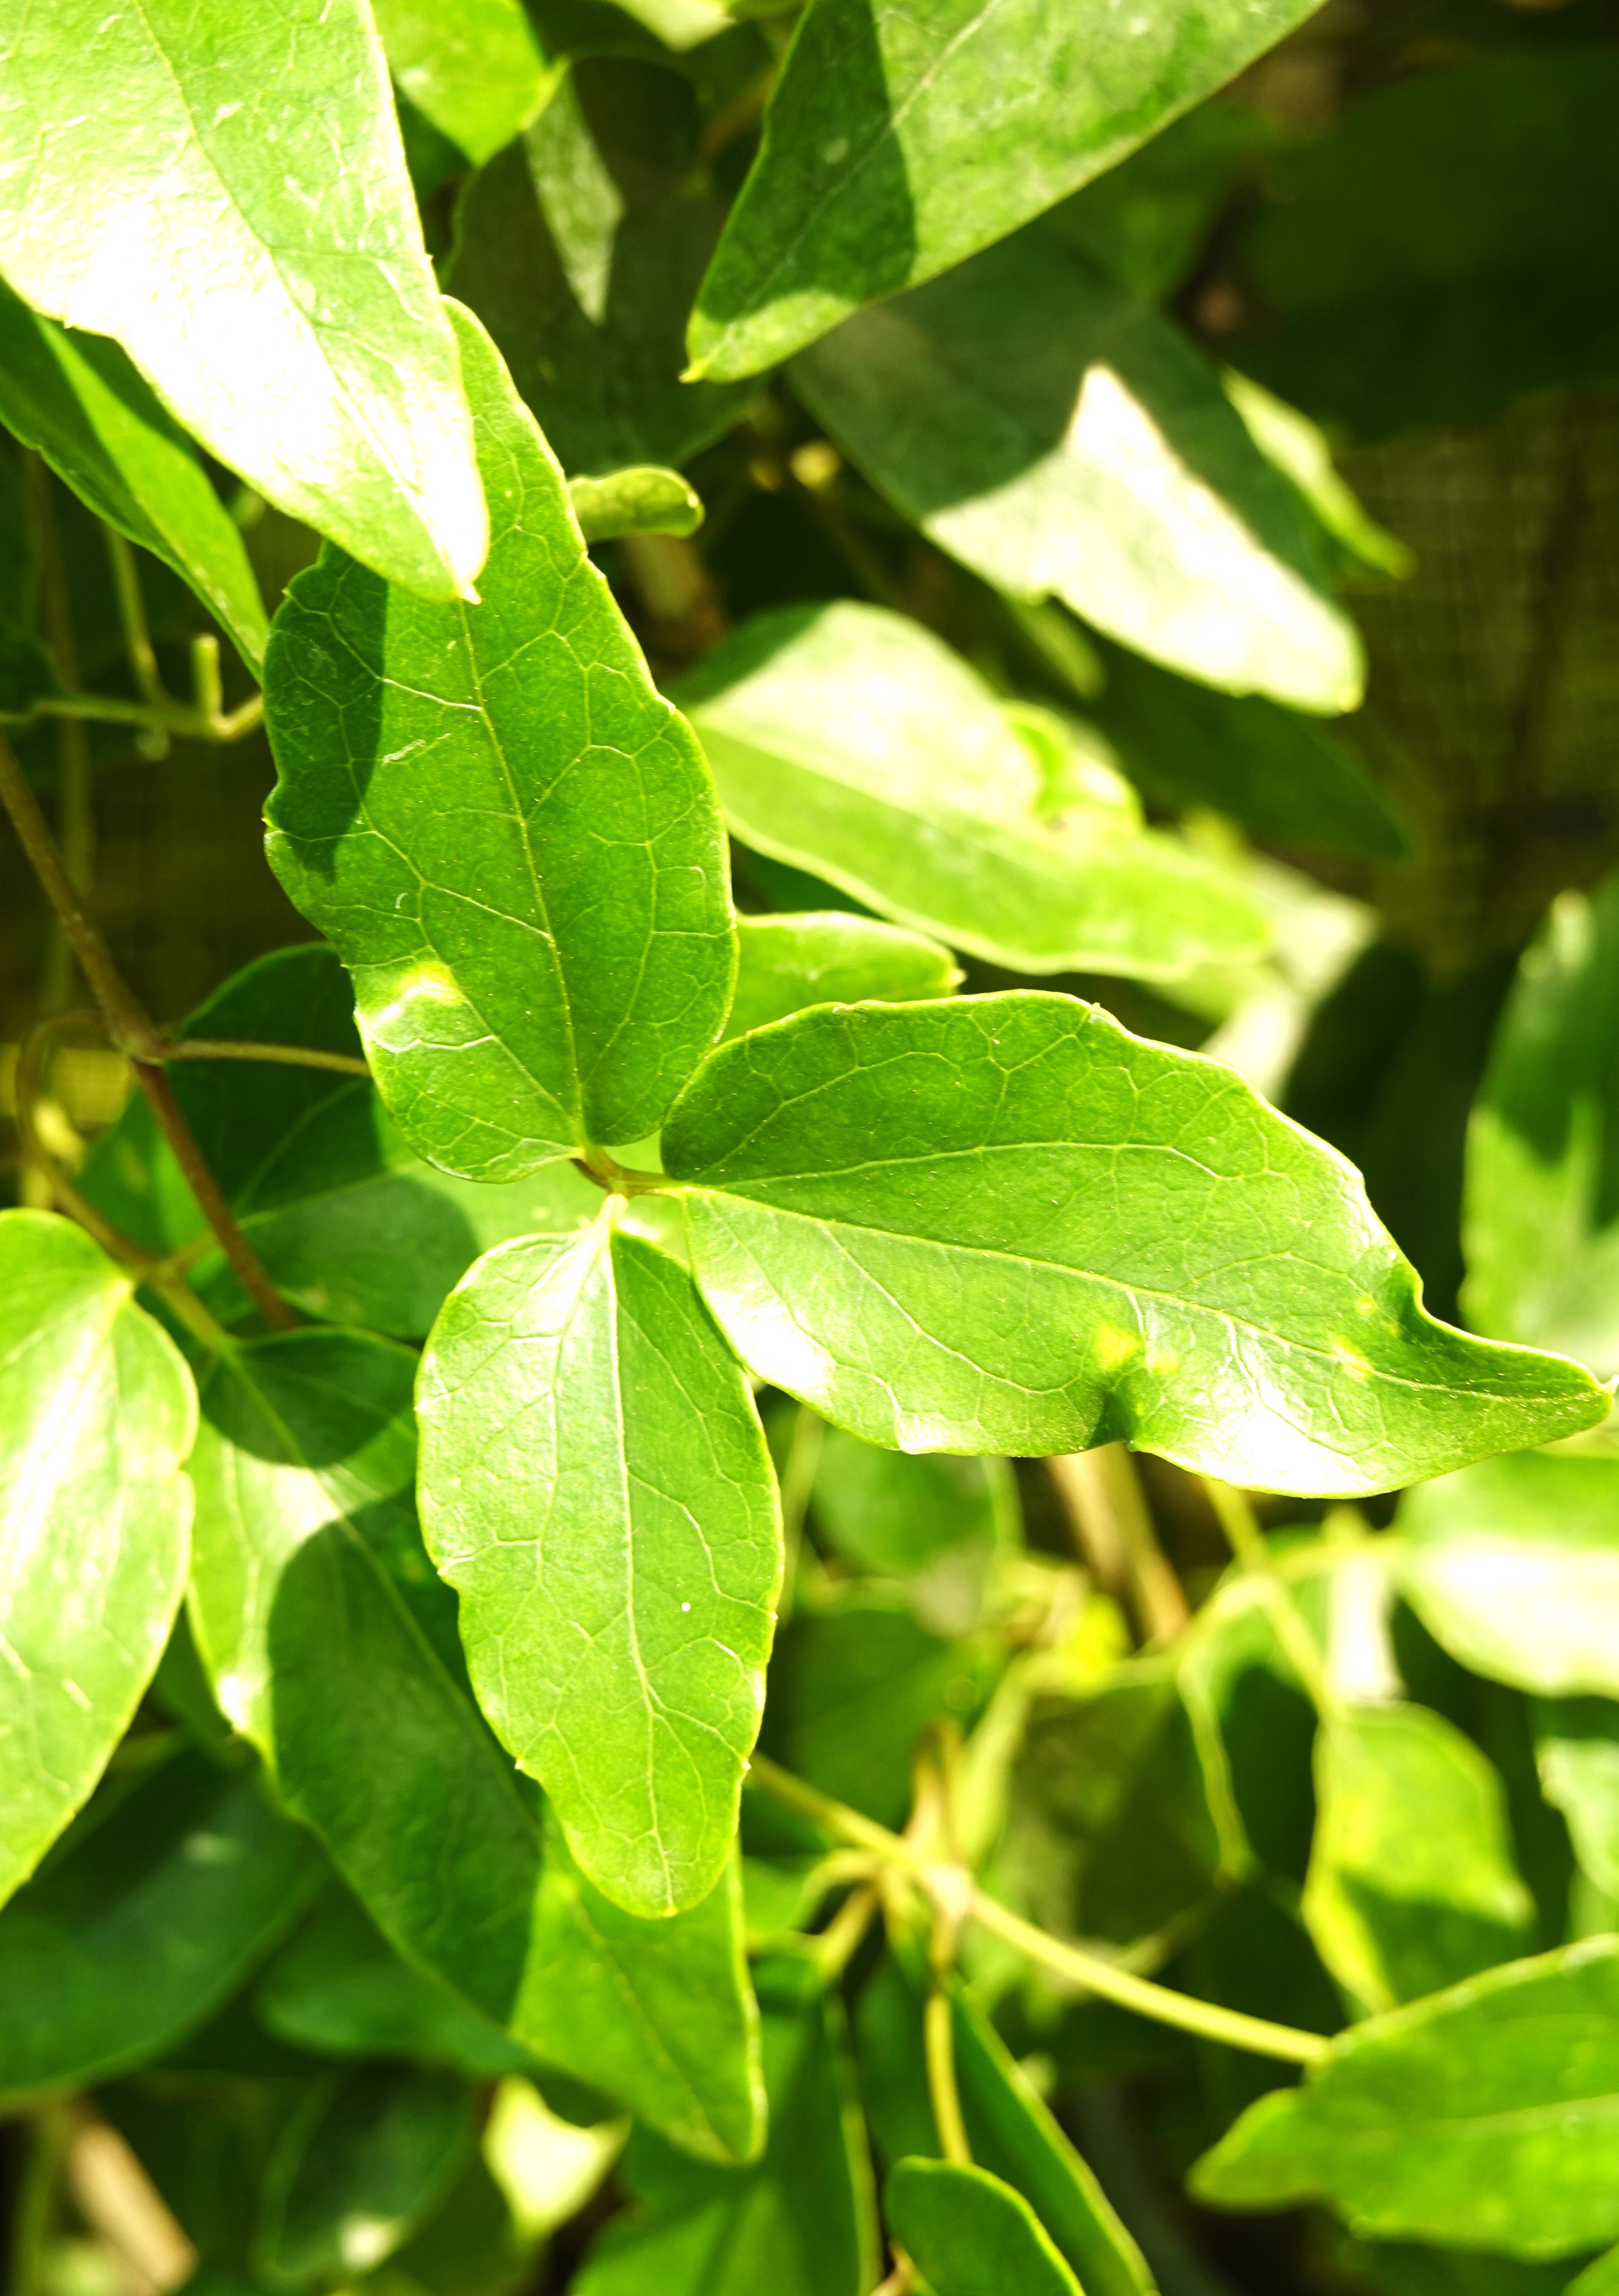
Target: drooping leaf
(352, 1226)
(77, 399)
(147, 1920)
(975, 1226)
(1109, 1832)
(476, 70)
(1439, 252)
(1514, 1566)
(896, 145)
(827, 956)
(657, 2013)
(849, 740)
(852, 1687)
(312, 1602)
(1280, 774)
(97, 1412)
(309, 351)
(969, 2233)
(358, 2169)
(1541, 1209)
(643, 499)
(339, 1989)
(580, 249)
(1483, 2116)
(1011, 2132)
(1411, 1884)
(798, 2222)
(1062, 438)
(509, 838)
(1576, 1747)
(595, 1486)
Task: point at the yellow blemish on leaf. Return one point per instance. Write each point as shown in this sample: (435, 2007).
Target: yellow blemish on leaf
(1113, 1348)
(1352, 1358)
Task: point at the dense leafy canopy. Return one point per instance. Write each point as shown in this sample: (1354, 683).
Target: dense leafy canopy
(886, 886)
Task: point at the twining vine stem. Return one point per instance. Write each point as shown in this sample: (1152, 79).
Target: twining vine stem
(954, 1887)
(134, 1034)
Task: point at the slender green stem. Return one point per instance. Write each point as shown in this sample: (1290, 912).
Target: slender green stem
(838, 1943)
(50, 2132)
(75, 817)
(132, 613)
(1097, 1976)
(291, 1056)
(164, 718)
(245, 1263)
(939, 2047)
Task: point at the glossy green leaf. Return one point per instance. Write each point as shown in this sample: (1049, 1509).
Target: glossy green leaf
(351, 1225)
(1011, 2132)
(657, 2013)
(1440, 251)
(1576, 1748)
(358, 2169)
(1063, 439)
(97, 1414)
(975, 1226)
(849, 740)
(155, 1910)
(1541, 1230)
(1411, 1884)
(312, 1598)
(643, 499)
(827, 956)
(77, 401)
(971, 2235)
(1109, 1831)
(595, 1486)
(510, 839)
(896, 145)
(798, 2222)
(1280, 774)
(1482, 2117)
(1514, 1566)
(310, 352)
(851, 1690)
(339, 1989)
(476, 70)
(580, 249)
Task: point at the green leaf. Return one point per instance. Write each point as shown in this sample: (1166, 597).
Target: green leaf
(934, 1521)
(1440, 252)
(1514, 1566)
(798, 2222)
(1146, 220)
(974, 1226)
(828, 956)
(97, 1414)
(1576, 1749)
(359, 2168)
(850, 742)
(1482, 2117)
(312, 1599)
(1598, 2279)
(339, 1989)
(641, 500)
(1299, 450)
(173, 1885)
(1011, 2132)
(352, 1226)
(851, 1690)
(1061, 438)
(309, 351)
(1109, 1832)
(1539, 1211)
(77, 399)
(1411, 1883)
(510, 839)
(970, 2235)
(476, 71)
(580, 249)
(595, 1486)
(471, 2244)
(1281, 775)
(895, 144)
(658, 2012)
